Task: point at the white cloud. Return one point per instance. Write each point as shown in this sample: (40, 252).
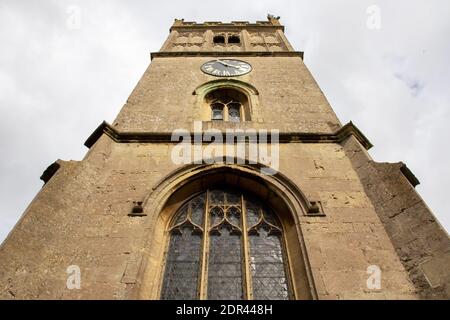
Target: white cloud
(57, 83)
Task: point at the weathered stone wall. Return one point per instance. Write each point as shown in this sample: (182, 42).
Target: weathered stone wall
(81, 217)
(289, 98)
(420, 241)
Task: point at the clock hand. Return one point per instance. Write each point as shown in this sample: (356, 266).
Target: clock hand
(226, 64)
(223, 62)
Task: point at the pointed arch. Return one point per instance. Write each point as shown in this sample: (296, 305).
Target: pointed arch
(170, 193)
(250, 103)
(212, 85)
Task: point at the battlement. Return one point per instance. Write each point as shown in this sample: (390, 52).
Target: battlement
(235, 37)
(271, 22)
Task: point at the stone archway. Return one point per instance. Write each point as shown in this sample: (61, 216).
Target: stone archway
(172, 191)
(250, 103)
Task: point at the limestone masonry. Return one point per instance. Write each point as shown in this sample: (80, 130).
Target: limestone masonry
(340, 212)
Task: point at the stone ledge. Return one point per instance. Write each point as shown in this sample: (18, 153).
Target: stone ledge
(271, 22)
(409, 175)
(50, 171)
(284, 137)
(165, 54)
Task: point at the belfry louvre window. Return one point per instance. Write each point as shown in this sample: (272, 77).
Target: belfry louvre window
(228, 105)
(217, 111)
(234, 112)
(225, 245)
(219, 39)
(234, 39)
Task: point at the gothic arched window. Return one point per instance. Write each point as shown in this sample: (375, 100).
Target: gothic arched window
(234, 112)
(217, 111)
(225, 245)
(228, 105)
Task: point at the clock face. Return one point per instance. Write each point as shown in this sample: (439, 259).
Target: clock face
(226, 67)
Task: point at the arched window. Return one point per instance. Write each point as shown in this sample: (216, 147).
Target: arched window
(234, 39)
(217, 111)
(219, 39)
(228, 105)
(226, 245)
(234, 112)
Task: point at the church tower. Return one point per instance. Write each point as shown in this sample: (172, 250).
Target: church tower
(289, 206)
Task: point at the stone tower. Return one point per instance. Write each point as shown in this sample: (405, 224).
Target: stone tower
(142, 217)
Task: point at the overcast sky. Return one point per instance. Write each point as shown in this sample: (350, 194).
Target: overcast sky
(65, 66)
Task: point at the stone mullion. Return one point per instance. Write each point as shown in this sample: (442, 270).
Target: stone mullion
(241, 113)
(203, 286)
(225, 112)
(248, 291)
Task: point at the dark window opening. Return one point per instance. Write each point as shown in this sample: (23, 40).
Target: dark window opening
(234, 112)
(217, 111)
(219, 39)
(234, 39)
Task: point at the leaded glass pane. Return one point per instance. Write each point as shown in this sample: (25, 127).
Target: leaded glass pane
(234, 113)
(234, 216)
(252, 213)
(217, 111)
(233, 198)
(182, 266)
(267, 267)
(225, 266)
(182, 214)
(270, 217)
(216, 216)
(216, 197)
(198, 209)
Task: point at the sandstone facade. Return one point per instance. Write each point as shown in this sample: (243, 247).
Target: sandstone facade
(341, 211)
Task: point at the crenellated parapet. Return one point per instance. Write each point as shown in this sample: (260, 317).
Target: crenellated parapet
(236, 36)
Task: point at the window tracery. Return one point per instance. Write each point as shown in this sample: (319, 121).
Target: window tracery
(227, 105)
(238, 238)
